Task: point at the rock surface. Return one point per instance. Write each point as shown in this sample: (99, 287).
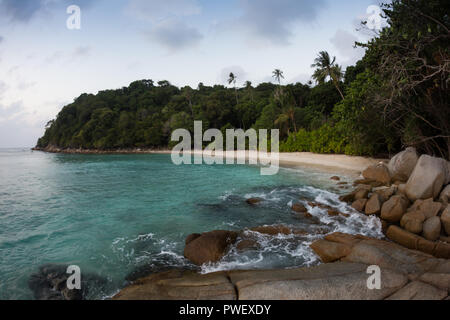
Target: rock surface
(444, 197)
(394, 209)
(209, 246)
(445, 219)
(373, 206)
(427, 179)
(405, 274)
(432, 229)
(379, 173)
(402, 165)
(413, 222)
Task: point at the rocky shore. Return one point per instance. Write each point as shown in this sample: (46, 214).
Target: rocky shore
(410, 195)
(405, 274)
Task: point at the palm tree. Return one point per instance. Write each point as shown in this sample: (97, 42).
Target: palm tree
(278, 75)
(325, 67)
(249, 89)
(232, 80)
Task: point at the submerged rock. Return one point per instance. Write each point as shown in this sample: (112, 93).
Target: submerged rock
(50, 283)
(253, 201)
(297, 207)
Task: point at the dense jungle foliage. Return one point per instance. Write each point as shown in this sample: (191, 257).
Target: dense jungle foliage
(396, 96)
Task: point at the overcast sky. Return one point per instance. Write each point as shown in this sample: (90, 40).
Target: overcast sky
(44, 65)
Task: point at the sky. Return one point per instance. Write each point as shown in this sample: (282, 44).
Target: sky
(44, 65)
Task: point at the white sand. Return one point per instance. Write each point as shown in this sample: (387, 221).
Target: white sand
(329, 162)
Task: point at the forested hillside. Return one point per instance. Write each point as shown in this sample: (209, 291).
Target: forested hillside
(396, 96)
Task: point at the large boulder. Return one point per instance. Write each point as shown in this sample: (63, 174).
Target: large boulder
(413, 222)
(427, 179)
(445, 195)
(209, 247)
(373, 206)
(394, 209)
(385, 192)
(359, 205)
(379, 173)
(432, 229)
(428, 207)
(445, 219)
(402, 165)
(415, 242)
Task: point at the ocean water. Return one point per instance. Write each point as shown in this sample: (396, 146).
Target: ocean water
(115, 215)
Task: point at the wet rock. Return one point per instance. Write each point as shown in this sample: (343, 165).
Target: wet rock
(253, 201)
(373, 206)
(413, 222)
(50, 283)
(245, 245)
(277, 230)
(330, 251)
(335, 213)
(335, 178)
(402, 164)
(379, 173)
(359, 205)
(192, 237)
(297, 207)
(432, 229)
(210, 246)
(393, 209)
(361, 193)
(347, 198)
(427, 179)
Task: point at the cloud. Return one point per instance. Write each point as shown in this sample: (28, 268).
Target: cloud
(8, 112)
(2, 39)
(25, 10)
(157, 10)
(81, 51)
(22, 10)
(344, 42)
(175, 35)
(238, 71)
(273, 20)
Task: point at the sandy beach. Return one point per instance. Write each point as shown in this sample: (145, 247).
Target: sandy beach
(328, 162)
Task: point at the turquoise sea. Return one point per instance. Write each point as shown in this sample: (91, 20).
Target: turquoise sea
(114, 215)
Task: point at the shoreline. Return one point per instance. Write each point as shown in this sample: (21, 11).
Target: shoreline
(326, 162)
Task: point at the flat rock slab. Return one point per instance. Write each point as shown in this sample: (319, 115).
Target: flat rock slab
(418, 290)
(180, 285)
